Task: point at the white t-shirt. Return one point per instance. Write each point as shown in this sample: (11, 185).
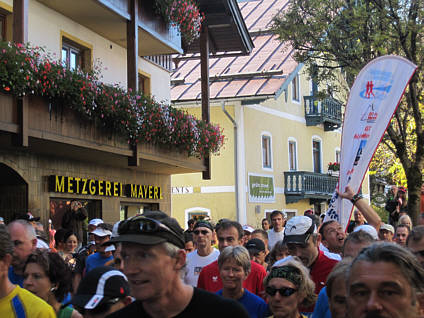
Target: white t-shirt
(274, 237)
(195, 263)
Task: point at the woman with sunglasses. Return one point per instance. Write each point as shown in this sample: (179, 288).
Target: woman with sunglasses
(288, 287)
(234, 267)
(47, 276)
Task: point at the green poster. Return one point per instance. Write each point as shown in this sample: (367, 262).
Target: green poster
(261, 188)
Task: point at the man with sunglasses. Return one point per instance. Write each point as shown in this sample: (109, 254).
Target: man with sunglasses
(415, 243)
(154, 260)
(204, 255)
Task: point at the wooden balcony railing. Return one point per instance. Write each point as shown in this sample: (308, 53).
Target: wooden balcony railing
(300, 185)
(327, 112)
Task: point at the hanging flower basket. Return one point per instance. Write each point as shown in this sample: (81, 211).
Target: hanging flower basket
(184, 14)
(333, 166)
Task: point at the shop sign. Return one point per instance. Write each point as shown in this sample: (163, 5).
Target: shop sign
(85, 186)
(261, 188)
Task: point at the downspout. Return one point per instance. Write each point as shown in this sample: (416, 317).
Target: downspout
(235, 158)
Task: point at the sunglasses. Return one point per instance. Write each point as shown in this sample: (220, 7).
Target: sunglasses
(285, 291)
(142, 224)
(204, 232)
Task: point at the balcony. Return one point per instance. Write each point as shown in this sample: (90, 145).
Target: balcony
(299, 185)
(108, 18)
(55, 130)
(327, 112)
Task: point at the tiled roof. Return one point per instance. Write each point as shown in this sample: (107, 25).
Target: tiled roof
(261, 73)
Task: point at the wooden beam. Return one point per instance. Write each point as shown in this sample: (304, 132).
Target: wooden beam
(20, 21)
(22, 137)
(132, 63)
(204, 73)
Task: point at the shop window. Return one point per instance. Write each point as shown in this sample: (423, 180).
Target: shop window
(59, 206)
(144, 83)
(266, 152)
(132, 209)
(296, 89)
(292, 155)
(75, 55)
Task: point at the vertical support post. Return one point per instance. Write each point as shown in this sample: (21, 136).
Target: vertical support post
(20, 35)
(132, 63)
(204, 73)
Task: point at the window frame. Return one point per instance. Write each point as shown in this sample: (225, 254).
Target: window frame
(82, 48)
(146, 77)
(292, 140)
(296, 89)
(317, 139)
(266, 136)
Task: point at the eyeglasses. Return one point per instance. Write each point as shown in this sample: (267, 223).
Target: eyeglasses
(142, 224)
(204, 232)
(285, 291)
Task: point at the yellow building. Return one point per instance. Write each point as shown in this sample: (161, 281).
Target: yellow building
(279, 136)
(51, 152)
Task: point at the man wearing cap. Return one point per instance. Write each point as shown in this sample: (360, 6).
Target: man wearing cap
(257, 252)
(302, 241)
(204, 255)
(278, 220)
(154, 259)
(247, 230)
(230, 233)
(386, 232)
(101, 292)
(101, 235)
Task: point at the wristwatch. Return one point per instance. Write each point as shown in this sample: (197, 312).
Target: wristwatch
(356, 197)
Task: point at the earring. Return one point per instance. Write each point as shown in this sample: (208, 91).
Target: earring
(53, 289)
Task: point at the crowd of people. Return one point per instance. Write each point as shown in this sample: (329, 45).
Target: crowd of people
(148, 266)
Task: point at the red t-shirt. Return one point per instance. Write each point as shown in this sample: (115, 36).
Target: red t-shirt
(210, 280)
(319, 272)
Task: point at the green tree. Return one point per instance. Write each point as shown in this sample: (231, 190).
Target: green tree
(346, 35)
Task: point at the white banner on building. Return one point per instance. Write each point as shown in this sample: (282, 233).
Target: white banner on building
(373, 99)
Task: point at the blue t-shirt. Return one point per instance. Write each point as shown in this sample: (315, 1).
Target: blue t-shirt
(96, 260)
(255, 305)
(14, 278)
(322, 309)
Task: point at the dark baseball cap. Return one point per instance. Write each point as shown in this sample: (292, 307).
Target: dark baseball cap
(150, 228)
(298, 229)
(255, 246)
(100, 285)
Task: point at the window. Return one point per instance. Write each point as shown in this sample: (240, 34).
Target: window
(292, 155)
(2, 26)
(295, 89)
(75, 53)
(338, 155)
(144, 83)
(266, 152)
(316, 154)
(6, 21)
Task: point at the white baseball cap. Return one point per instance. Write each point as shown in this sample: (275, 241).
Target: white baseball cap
(248, 228)
(387, 227)
(101, 232)
(95, 222)
(298, 229)
(368, 229)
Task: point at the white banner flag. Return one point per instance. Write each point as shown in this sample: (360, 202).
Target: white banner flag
(373, 99)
